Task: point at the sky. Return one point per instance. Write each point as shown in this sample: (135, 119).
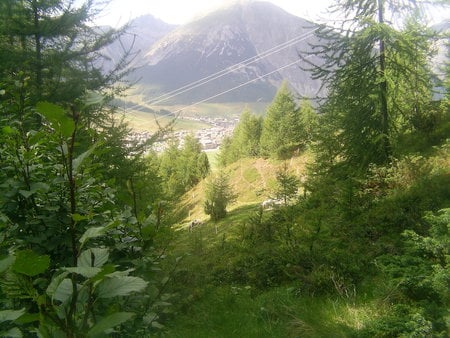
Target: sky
(119, 12)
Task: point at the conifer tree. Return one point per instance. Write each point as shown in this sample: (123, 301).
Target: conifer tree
(280, 133)
(52, 44)
(245, 141)
(219, 194)
(371, 71)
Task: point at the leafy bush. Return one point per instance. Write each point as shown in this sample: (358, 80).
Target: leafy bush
(422, 274)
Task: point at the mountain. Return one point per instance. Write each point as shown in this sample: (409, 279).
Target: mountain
(221, 40)
(140, 35)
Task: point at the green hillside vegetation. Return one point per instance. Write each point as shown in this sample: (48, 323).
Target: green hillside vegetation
(331, 221)
(248, 275)
(252, 179)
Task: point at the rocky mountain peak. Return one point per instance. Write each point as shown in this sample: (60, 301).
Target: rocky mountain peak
(235, 40)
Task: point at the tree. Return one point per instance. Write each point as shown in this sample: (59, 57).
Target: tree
(193, 166)
(371, 71)
(63, 169)
(281, 133)
(183, 167)
(53, 45)
(309, 122)
(218, 194)
(245, 141)
(287, 185)
(249, 134)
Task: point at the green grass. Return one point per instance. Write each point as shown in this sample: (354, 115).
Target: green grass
(225, 287)
(144, 121)
(231, 311)
(213, 159)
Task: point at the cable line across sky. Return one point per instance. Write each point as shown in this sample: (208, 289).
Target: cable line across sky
(226, 71)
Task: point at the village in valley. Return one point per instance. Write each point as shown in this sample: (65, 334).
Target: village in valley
(210, 138)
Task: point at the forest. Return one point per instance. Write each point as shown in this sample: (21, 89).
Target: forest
(101, 236)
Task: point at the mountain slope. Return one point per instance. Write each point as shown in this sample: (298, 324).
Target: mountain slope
(140, 35)
(219, 41)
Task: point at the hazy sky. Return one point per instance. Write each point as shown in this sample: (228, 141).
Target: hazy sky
(118, 12)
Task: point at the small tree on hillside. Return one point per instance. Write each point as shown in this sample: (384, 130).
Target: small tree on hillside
(219, 194)
(287, 185)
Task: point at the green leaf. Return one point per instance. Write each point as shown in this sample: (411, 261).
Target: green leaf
(85, 271)
(8, 315)
(29, 263)
(91, 233)
(28, 318)
(79, 160)
(57, 117)
(35, 187)
(7, 130)
(26, 193)
(157, 325)
(109, 322)
(6, 263)
(94, 257)
(51, 288)
(12, 333)
(149, 318)
(121, 286)
(40, 186)
(106, 270)
(64, 290)
(96, 232)
(78, 218)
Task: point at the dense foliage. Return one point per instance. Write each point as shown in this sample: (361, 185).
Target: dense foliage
(73, 229)
(182, 167)
(86, 215)
(285, 130)
(218, 195)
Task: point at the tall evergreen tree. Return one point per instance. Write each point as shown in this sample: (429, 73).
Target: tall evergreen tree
(280, 133)
(245, 141)
(52, 44)
(371, 71)
(219, 194)
(183, 167)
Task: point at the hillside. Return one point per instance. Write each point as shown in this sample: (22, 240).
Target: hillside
(214, 44)
(253, 180)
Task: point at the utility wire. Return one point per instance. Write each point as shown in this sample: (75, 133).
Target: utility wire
(227, 70)
(230, 69)
(231, 89)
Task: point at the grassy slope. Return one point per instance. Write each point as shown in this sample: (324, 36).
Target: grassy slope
(211, 306)
(144, 121)
(215, 309)
(253, 181)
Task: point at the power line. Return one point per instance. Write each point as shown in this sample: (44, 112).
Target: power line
(227, 70)
(231, 89)
(231, 69)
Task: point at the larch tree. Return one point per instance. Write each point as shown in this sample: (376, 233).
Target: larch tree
(245, 141)
(219, 195)
(55, 46)
(376, 73)
(280, 132)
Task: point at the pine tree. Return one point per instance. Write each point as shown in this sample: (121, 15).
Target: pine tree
(280, 134)
(52, 44)
(371, 71)
(219, 194)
